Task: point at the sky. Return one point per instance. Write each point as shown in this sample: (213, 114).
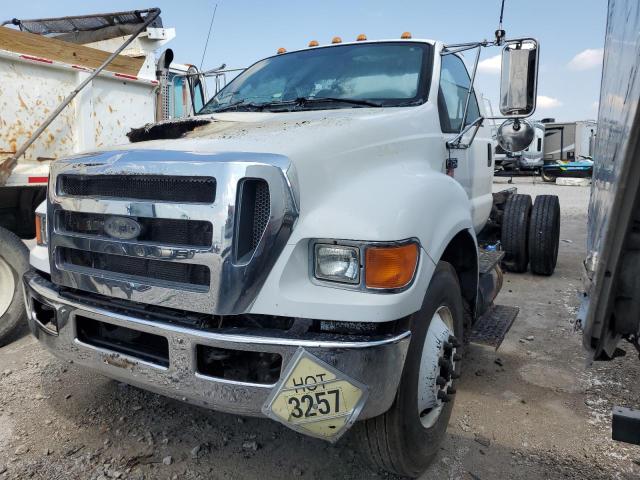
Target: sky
(570, 32)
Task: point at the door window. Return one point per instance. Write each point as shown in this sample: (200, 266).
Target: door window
(454, 85)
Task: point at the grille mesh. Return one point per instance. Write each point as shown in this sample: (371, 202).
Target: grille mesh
(253, 215)
(140, 187)
(261, 212)
(157, 230)
(155, 271)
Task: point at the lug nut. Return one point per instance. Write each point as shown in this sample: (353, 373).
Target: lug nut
(443, 396)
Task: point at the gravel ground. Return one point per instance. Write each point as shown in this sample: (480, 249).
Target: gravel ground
(532, 410)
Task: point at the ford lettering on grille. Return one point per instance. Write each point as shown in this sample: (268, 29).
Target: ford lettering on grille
(122, 228)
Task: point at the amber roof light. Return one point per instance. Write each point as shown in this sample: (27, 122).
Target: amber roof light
(313, 43)
(405, 35)
(336, 40)
(361, 38)
(282, 50)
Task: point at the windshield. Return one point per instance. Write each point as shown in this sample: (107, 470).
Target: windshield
(388, 74)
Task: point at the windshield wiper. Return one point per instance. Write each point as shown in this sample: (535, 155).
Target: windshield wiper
(237, 105)
(353, 101)
(298, 102)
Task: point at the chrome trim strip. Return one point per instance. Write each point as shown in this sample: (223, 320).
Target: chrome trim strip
(233, 285)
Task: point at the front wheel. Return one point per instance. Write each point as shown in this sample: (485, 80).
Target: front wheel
(406, 438)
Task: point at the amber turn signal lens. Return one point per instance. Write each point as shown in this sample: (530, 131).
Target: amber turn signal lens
(313, 43)
(361, 38)
(405, 35)
(41, 229)
(390, 267)
(282, 50)
(336, 40)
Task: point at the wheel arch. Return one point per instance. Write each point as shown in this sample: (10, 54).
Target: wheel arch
(462, 253)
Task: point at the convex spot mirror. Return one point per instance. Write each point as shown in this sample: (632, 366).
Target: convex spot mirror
(515, 135)
(519, 78)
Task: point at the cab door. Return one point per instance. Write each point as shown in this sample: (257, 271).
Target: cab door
(472, 167)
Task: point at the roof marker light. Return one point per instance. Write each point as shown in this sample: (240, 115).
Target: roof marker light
(282, 50)
(405, 35)
(361, 38)
(336, 40)
(313, 43)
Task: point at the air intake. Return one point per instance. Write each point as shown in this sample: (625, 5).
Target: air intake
(253, 216)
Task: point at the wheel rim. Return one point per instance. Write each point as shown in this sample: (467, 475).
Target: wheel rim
(437, 367)
(8, 286)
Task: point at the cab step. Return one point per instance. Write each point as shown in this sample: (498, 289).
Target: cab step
(491, 328)
(487, 259)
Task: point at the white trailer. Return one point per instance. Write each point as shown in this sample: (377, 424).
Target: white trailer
(37, 72)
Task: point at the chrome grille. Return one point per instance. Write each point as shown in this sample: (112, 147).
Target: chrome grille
(140, 187)
(170, 248)
(150, 271)
(164, 231)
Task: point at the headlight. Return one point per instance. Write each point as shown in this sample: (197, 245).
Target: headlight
(337, 263)
(41, 229)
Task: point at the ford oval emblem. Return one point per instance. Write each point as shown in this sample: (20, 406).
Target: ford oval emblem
(122, 228)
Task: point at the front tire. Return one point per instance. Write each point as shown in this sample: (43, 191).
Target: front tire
(14, 262)
(406, 438)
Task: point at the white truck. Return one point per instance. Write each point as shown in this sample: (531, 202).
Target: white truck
(42, 62)
(310, 247)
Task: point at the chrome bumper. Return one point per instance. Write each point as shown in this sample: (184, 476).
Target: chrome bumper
(377, 364)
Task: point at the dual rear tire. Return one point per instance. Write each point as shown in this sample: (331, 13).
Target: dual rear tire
(530, 233)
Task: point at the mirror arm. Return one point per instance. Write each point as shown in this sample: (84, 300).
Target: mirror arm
(456, 142)
(473, 79)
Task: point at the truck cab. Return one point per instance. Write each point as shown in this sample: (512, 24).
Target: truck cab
(305, 248)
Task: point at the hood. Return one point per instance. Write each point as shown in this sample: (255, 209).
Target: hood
(329, 150)
(305, 136)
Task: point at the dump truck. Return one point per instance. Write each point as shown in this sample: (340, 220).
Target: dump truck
(315, 246)
(42, 62)
(609, 314)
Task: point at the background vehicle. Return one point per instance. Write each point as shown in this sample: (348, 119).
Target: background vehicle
(530, 159)
(568, 149)
(610, 310)
(285, 253)
(41, 63)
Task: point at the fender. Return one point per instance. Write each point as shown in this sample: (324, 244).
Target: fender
(394, 201)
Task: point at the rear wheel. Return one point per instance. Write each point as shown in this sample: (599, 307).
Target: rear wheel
(515, 230)
(14, 261)
(406, 438)
(546, 176)
(544, 234)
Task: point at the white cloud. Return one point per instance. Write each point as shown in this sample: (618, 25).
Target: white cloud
(547, 102)
(587, 59)
(490, 65)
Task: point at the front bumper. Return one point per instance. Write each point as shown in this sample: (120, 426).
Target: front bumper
(375, 363)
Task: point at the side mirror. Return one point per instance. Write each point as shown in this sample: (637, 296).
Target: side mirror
(515, 135)
(519, 79)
